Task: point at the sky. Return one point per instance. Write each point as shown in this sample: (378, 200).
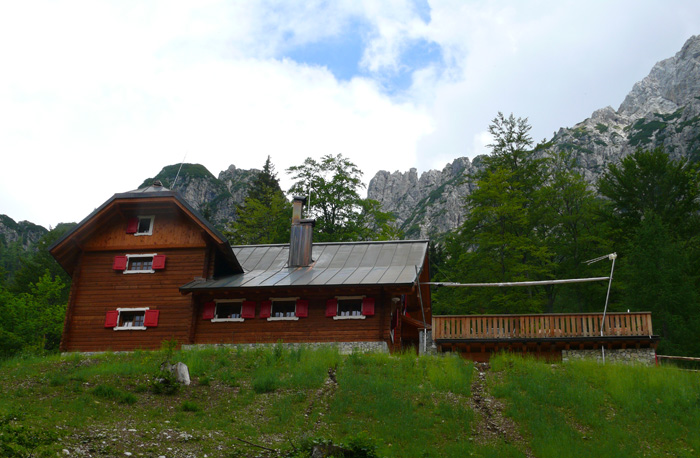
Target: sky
(97, 96)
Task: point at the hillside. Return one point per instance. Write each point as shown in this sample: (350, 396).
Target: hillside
(372, 404)
(662, 110)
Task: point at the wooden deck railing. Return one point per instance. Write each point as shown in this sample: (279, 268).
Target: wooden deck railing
(540, 326)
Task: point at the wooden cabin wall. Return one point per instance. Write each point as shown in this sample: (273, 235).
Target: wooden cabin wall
(314, 328)
(97, 288)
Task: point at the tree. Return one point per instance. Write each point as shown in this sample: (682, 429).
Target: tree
(265, 216)
(331, 186)
(652, 206)
(529, 218)
(650, 182)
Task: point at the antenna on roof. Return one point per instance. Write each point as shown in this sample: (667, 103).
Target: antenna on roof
(178, 171)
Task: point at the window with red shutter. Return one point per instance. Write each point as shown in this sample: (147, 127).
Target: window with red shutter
(120, 263)
(132, 226)
(158, 262)
(112, 319)
(331, 307)
(368, 306)
(302, 310)
(208, 310)
(248, 309)
(150, 319)
(265, 309)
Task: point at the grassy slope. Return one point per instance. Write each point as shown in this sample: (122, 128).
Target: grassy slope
(410, 407)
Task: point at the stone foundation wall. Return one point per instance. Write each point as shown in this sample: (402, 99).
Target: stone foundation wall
(645, 356)
(343, 347)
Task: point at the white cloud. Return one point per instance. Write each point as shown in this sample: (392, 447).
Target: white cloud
(96, 96)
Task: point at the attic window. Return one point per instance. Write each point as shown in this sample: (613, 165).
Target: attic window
(140, 225)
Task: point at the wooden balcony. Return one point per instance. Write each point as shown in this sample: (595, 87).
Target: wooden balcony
(541, 327)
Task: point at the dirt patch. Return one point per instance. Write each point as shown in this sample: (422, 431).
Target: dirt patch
(321, 399)
(491, 424)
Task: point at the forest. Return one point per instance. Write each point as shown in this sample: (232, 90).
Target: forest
(531, 216)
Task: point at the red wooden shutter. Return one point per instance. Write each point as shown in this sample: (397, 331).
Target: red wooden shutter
(158, 262)
(150, 318)
(331, 307)
(302, 308)
(248, 309)
(368, 306)
(119, 263)
(265, 309)
(132, 226)
(209, 309)
(111, 319)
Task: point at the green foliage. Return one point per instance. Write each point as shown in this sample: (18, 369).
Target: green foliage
(602, 128)
(190, 406)
(650, 182)
(265, 216)
(332, 187)
(18, 440)
(643, 131)
(165, 382)
(528, 219)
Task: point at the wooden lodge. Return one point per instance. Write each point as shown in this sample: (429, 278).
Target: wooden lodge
(477, 337)
(146, 267)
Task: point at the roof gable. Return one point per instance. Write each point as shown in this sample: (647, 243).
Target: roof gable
(143, 201)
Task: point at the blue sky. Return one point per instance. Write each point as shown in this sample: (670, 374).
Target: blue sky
(98, 94)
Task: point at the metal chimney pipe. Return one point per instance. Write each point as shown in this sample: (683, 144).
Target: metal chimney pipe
(300, 243)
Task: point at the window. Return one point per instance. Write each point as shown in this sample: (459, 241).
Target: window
(284, 308)
(140, 225)
(350, 307)
(231, 310)
(132, 319)
(139, 263)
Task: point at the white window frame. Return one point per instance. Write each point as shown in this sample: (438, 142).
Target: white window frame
(146, 255)
(130, 328)
(349, 317)
(283, 318)
(150, 226)
(227, 320)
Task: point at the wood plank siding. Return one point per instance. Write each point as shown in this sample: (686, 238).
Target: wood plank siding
(314, 328)
(97, 288)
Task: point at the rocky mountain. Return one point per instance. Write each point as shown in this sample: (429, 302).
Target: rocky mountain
(215, 198)
(23, 234)
(662, 110)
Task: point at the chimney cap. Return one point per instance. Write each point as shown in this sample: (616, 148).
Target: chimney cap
(310, 221)
(301, 198)
(157, 183)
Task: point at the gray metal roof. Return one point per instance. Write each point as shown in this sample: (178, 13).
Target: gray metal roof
(334, 264)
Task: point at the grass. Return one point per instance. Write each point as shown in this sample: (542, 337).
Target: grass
(399, 405)
(585, 409)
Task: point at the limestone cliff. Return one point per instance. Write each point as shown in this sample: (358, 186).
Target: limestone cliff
(662, 110)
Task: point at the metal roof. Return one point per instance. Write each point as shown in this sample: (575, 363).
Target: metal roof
(334, 264)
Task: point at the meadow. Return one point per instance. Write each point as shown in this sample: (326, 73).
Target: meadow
(280, 402)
